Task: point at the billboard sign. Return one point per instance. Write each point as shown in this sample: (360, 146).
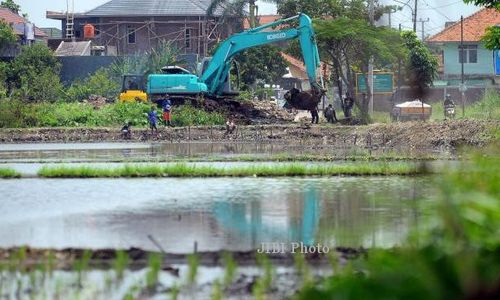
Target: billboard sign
(383, 83)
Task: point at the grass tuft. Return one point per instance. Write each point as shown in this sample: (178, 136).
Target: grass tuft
(185, 170)
(9, 173)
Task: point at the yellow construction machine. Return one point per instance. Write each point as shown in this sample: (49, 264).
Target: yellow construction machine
(133, 89)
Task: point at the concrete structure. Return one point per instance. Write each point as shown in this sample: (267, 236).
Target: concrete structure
(479, 65)
(138, 26)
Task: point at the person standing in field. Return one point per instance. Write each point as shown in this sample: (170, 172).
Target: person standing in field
(167, 108)
(152, 119)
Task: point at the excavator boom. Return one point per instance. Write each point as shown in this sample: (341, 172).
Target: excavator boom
(218, 70)
(213, 79)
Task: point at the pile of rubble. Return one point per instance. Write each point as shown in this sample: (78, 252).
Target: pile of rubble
(96, 101)
(270, 110)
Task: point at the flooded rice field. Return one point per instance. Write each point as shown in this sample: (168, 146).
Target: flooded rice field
(186, 215)
(217, 213)
(237, 214)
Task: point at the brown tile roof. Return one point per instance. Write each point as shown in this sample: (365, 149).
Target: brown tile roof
(300, 65)
(474, 27)
(263, 20)
(12, 18)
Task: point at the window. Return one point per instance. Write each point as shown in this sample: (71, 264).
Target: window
(131, 34)
(467, 54)
(187, 37)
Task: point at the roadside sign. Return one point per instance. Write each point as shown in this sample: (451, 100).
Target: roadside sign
(383, 83)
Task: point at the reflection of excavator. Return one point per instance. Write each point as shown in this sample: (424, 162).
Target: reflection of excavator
(133, 89)
(213, 78)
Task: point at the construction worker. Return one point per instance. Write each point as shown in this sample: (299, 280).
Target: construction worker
(330, 115)
(127, 131)
(166, 105)
(152, 118)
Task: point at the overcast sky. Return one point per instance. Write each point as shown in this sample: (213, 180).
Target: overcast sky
(438, 11)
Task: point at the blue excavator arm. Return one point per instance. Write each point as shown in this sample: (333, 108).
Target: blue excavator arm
(217, 71)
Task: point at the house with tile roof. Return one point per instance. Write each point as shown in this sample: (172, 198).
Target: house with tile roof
(136, 26)
(479, 62)
(26, 32)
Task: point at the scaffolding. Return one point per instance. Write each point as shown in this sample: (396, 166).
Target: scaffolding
(70, 20)
(115, 33)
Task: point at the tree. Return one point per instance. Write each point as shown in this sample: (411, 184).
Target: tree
(348, 44)
(237, 7)
(34, 74)
(346, 40)
(491, 38)
(10, 4)
(7, 35)
(262, 64)
(422, 66)
(486, 3)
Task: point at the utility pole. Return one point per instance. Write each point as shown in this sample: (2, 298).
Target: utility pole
(415, 16)
(423, 27)
(462, 55)
(370, 64)
(399, 74)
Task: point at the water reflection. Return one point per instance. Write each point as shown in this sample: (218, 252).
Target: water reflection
(218, 213)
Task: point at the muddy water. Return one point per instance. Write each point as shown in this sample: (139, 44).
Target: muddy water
(131, 151)
(95, 152)
(218, 213)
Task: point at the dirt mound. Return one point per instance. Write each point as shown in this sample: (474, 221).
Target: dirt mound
(250, 112)
(434, 134)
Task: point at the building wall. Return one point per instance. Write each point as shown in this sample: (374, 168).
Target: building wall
(112, 31)
(452, 66)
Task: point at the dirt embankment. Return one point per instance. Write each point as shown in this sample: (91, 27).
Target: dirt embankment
(65, 258)
(407, 135)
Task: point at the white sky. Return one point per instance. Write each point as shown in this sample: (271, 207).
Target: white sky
(438, 11)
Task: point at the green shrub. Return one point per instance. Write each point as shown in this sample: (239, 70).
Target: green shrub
(187, 115)
(34, 74)
(39, 85)
(18, 114)
(14, 114)
(100, 83)
(455, 256)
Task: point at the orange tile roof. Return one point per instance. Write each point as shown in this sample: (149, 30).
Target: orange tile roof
(263, 20)
(12, 18)
(474, 27)
(300, 65)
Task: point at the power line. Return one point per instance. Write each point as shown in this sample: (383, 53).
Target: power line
(442, 6)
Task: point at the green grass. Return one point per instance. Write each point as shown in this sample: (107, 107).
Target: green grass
(454, 255)
(9, 173)
(184, 170)
(488, 108)
(19, 114)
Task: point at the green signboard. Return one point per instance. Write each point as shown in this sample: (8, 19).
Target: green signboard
(383, 83)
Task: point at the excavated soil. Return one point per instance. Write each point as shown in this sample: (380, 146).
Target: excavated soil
(411, 135)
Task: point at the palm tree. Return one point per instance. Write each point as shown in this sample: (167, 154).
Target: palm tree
(237, 7)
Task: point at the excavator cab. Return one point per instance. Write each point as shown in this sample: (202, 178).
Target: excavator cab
(133, 89)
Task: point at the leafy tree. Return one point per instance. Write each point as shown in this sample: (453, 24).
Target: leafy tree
(348, 44)
(7, 35)
(346, 40)
(238, 8)
(486, 3)
(262, 64)
(491, 38)
(422, 66)
(10, 4)
(35, 73)
(3, 79)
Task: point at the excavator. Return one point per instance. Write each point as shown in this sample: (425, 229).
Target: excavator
(213, 81)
